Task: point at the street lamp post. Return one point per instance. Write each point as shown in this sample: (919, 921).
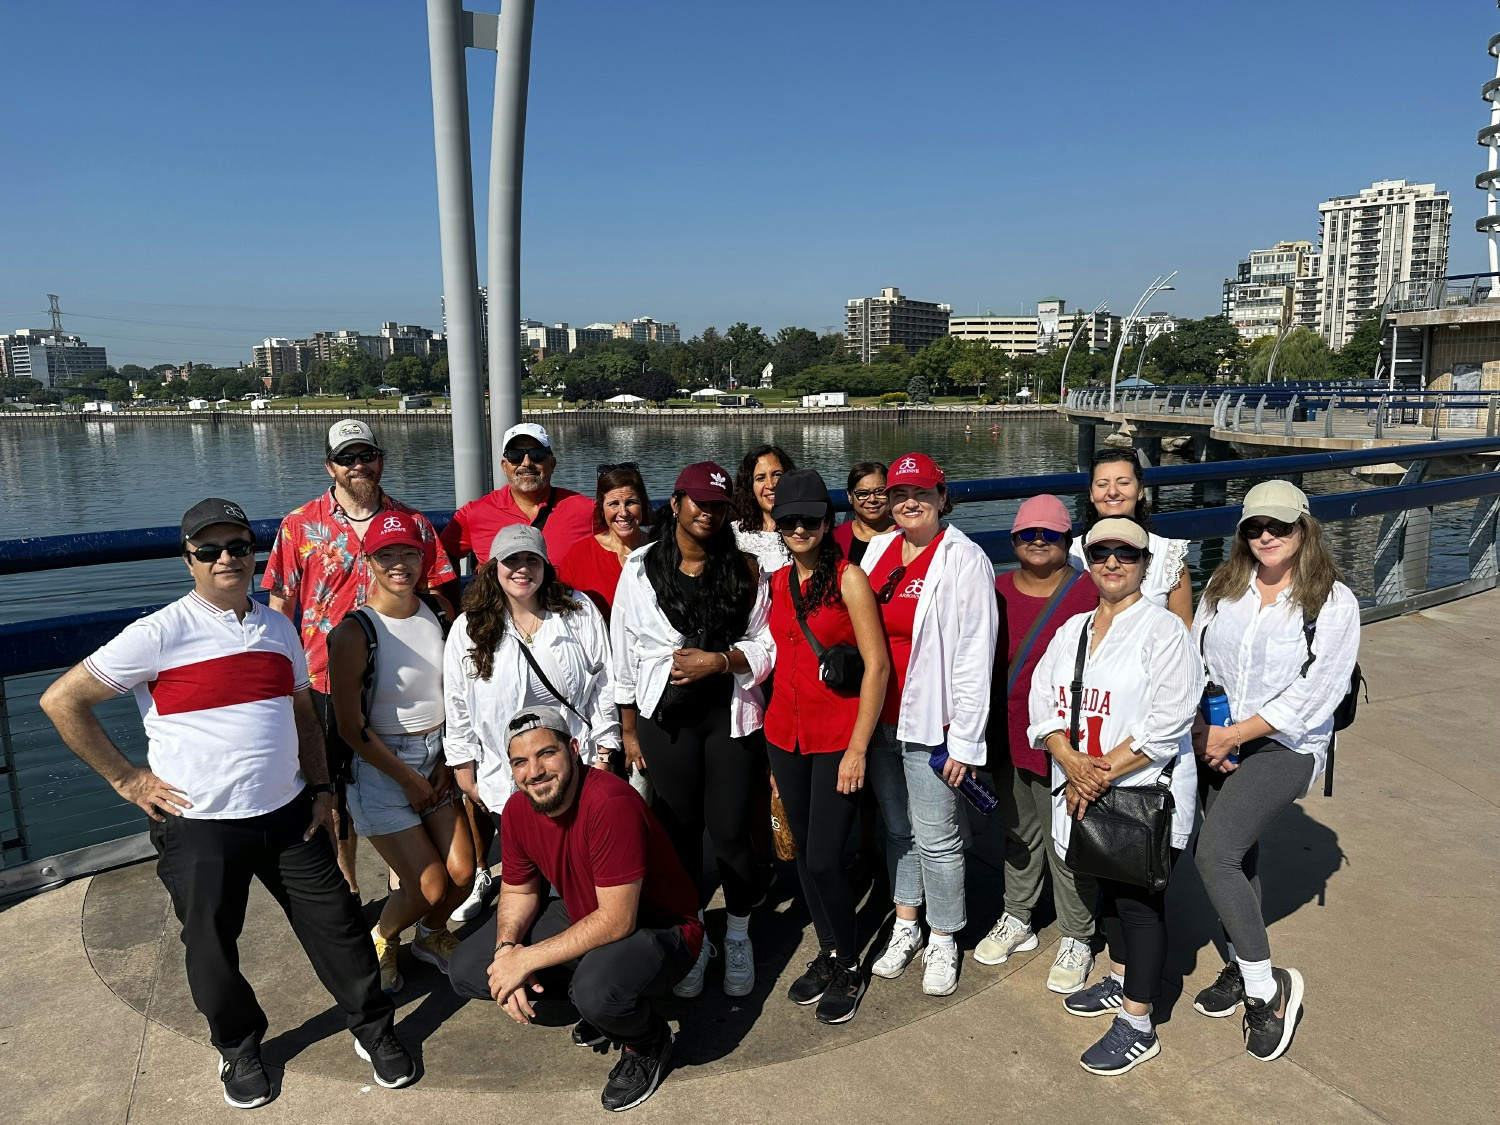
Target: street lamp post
(1062, 383)
(1160, 285)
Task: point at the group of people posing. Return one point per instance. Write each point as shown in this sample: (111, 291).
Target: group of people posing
(616, 681)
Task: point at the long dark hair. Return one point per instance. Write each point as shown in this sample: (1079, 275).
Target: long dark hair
(745, 508)
(1108, 456)
(621, 476)
(726, 589)
(486, 611)
(823, 585)
(1313, 571)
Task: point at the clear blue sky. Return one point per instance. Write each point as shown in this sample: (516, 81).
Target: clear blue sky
(210, 174)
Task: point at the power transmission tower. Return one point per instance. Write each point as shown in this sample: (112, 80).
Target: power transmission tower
(56, 311)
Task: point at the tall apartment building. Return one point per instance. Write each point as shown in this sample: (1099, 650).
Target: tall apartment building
(1258, 300)
(49, 358)
(872, 323)
(1051, 326)
(645, 330)
(1392, 231)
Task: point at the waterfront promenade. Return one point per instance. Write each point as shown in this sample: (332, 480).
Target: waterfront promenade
(1383, 896)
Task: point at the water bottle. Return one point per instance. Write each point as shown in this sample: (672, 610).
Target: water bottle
(981, 796)
(1215, 711)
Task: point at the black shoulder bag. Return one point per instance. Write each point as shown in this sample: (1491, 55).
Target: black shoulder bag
(841, 667)
(546, 683)
(1125, 835)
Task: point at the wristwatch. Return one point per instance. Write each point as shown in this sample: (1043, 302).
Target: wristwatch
(320, 788)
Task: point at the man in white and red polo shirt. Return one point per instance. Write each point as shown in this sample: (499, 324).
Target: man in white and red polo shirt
(236, 785)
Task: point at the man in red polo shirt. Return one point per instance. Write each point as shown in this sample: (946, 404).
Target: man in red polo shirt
(561, 515)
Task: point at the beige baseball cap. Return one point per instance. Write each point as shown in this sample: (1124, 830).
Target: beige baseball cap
(1277, 499)
(1117, 530)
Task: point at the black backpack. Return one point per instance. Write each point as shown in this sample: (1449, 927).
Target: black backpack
(1343, 714)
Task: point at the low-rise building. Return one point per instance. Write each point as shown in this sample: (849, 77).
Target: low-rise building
(50, 358)
(645, 330)
(1260, 299)
(1051, 326)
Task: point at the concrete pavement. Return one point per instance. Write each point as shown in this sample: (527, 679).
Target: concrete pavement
(1383, 896)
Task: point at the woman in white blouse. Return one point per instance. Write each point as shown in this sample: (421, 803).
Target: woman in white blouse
(1117, 487)
(1280, 633)
(1141, 685)
(516, 607)
(754, 497)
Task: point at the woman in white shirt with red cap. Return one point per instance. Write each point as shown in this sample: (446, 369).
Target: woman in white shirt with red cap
(936, 590)
(1280, 633)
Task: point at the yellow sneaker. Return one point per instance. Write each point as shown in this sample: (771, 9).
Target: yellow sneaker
(385, 952)
(435, 948)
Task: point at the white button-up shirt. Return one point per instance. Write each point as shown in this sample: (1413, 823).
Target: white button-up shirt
(1256, 655)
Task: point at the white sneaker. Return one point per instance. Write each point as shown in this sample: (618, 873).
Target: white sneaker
(471, 907)
(940, 969)
(898, 952)
(1071, 969)
(1010, 935)
(739, 967)
(692, 984)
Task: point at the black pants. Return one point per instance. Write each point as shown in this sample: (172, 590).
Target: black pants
(207, 865)
(611, 986)
(702, 776)
(1134, 921)
(820, 818)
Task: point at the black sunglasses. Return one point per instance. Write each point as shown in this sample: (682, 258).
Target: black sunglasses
(888, 591)
(365, 457)
(210, 552)
(623, 466)
(1252, 530)
(1032, 534)
(516, 454)
(1100, 552)
(788, 524)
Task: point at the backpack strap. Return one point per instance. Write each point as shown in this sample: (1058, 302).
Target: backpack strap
(434, 603)
(367, 679)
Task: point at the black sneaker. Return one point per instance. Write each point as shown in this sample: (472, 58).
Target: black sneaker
(638, 1073)
(841, 1000)
(394, 1068)
(245, 1083)
(1268, 1035)
(586, 1034)
(810, 986)
(1225, 994)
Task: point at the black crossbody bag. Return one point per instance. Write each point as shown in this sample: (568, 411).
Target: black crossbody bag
(1125, 835)
(841, 667)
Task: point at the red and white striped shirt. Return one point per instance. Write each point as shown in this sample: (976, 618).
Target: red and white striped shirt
(215, 694)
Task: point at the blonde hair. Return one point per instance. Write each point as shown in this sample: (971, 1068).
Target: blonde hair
(1313, 571)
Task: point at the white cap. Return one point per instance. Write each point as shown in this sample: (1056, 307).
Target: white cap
(350, 431)
(1280, 499)
(525, 429)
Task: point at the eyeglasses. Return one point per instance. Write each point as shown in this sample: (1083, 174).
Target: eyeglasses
(888, 591)
(210, 552)
(623, 466)
(1032, 534)
(1100, 552)
(863, 494)
(515, 454)
(1252, 530)
(364, 457)
(388, 557)
(788, 524)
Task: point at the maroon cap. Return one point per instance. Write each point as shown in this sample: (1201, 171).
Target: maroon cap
(916, 469)
(705, 482)
(396, 529)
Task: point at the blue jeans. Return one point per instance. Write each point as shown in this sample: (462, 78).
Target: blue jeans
(924, 845)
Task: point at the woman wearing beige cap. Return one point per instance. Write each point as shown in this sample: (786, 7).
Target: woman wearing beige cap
(1280, 633)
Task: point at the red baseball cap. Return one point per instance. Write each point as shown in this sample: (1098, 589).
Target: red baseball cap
(705, 482)
(396, 529)
(916, 469)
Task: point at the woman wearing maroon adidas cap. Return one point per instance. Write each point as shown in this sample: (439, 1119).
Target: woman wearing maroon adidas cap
(690, 649)
(936, 590)
(388, 700)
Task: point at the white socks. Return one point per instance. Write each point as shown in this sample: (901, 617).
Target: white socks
(1259, 982)
(736, 927)
(910, 927)
(940, 941)
(1141, 1023)
(1117, 978)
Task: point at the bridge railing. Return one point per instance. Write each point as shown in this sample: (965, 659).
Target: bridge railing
(1423, 541)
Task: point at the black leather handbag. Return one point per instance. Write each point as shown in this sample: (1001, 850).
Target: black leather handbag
(841, 667)
(1125, 835)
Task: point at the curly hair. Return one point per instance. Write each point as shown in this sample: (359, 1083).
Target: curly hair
(487, 610)
(1313, 571)
(620, 477)
(744, 507)
(721, 613)
(1108, 456)
(823, 585)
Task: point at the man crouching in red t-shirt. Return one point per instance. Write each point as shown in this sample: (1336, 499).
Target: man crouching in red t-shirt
(626, 924)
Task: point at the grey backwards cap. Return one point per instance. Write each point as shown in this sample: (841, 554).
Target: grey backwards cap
(537, 718)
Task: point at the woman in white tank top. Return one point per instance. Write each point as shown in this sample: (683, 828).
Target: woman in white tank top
(401, 795)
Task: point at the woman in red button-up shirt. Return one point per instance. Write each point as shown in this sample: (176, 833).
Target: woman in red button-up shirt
(816, 735)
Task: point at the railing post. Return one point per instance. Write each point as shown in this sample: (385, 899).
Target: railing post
(1402, 547)
(1380, 416)
(1291, 412)
(1260, 415)
(1239, 408)
(12, 783)
(1333, 401)
(1484, 558)
(1492, 423)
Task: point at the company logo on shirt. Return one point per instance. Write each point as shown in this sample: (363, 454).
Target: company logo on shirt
(913, 588)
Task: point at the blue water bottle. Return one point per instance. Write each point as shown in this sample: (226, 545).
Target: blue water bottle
(1215, 711)
(978, 794)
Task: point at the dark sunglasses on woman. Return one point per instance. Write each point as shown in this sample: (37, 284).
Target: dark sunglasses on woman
(1031, 534)
(1100, 552)
(626, 466)
(788, 524)
(1252, 530)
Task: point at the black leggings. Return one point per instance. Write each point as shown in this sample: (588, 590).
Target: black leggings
(1135, 925)
(820, 818)
(702, 775)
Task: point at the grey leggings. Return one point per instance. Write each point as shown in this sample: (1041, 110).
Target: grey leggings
(1237, 808)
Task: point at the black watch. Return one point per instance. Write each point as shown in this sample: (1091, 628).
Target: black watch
(320, 788)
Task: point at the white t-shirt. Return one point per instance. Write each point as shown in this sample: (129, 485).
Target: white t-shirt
(215, 695)
(1165, 571)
